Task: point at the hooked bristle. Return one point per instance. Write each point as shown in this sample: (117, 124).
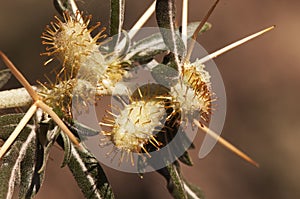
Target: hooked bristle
(135, 126)
(192, 92)
(67, 95)
(70, 42)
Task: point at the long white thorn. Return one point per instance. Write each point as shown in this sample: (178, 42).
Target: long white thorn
(18, 129)
(144, 18)
(234, 45)
(185, 13)
(225, 143)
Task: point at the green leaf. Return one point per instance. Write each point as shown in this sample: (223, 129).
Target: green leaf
(117, 10)
(47, 134)
(4, 77)
(147, 48)
(166, 20)
(175, 183)
(193, 191)
(9, 175)
(63, 6)
(67, 149)
(193, 26)
(89, 175)
(18, 165)
(164, 75)
(81, 129)
(186, 159)
(31, 179)
(11, 119)
(24, 163)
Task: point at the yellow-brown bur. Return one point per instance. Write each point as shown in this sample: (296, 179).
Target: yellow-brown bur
(192, 94)
(70, 41)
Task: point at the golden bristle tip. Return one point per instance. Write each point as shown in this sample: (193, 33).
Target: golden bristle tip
(135, 125)
(192, 92)
(69, 41)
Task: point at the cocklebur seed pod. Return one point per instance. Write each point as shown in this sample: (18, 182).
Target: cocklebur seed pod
(135, 125)
(193, 93)
(70, 41)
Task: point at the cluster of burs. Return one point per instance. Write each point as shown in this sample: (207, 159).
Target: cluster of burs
(151, 110)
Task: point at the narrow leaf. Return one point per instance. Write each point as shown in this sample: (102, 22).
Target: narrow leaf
(47, 134)
(63, 6)
(30, 179)
(117, 10)
(18, 163)
(186, 159)
(193, 192)
(150, 46)
(8, 173)
(67, 149)
(165, 17)
(164, 75)
(26, 157)
(175, 183)
(81, 129)
(89, 175)
(4, 77)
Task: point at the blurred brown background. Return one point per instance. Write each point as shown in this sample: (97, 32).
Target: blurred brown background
(262, 80)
